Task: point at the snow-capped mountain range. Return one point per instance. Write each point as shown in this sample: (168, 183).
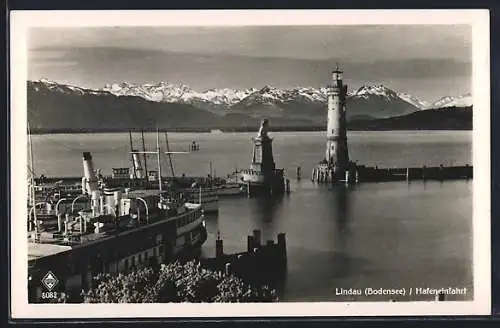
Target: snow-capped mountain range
(181, 93)
(47, 85)
(177, 93)
(54, 105)
(462, 101)
(376, 101)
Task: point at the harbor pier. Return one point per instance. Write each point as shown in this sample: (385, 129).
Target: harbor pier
(361, 173)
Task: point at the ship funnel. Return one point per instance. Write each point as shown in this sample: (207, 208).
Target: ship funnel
(138, 166)
(89, 173)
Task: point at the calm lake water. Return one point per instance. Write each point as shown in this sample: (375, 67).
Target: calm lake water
(380, 235)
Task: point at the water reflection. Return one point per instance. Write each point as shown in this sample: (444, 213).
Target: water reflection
(340, 210)
(320, 251)
(266, 208)
(340, 236)
(265, 212)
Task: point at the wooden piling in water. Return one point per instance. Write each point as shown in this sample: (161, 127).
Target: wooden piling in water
(257, 238)
(219, 248)
(250, 244)
(282, 246)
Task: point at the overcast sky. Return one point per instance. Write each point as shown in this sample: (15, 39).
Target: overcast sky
(426, 61)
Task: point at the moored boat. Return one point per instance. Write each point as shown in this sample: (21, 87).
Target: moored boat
(231, 189)
(207, 197)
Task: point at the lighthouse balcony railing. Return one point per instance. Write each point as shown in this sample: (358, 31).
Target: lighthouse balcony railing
(333, 86)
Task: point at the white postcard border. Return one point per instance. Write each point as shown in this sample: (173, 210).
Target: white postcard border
(478, 19)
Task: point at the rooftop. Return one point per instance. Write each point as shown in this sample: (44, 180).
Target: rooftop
(37, 250)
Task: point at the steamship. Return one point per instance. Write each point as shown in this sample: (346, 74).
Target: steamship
(120, 228)
(200, 190)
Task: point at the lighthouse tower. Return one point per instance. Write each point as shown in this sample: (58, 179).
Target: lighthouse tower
(262, 159)
(337, 155)
(263, 177)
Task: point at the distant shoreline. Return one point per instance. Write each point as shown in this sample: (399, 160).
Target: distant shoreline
(36, 131)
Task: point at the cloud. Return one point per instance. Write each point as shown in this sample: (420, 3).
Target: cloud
(52, 64)
(431, 60)
(359, 43)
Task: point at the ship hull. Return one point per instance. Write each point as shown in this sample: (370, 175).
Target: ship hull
(231, 190)
(210, 207)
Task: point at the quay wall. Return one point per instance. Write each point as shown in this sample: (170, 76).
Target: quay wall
(261, 264)
(361, 173)
(368, 174)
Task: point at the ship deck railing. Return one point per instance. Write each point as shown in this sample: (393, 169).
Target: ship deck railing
(52, 241)
(255, 172)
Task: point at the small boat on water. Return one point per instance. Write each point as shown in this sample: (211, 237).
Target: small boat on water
(211, 189)
(231, 189)
(207, 197)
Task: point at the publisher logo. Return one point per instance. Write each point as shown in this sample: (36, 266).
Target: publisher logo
(50, 281)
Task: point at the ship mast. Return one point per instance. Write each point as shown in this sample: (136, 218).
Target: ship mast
(131, 154)
(158, 153)
(31, 182)
(158, 158)
(169, 156)
(144, 152)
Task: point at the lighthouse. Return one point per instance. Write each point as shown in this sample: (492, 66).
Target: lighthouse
(262, 159)
(263, 177)
(337, 155)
